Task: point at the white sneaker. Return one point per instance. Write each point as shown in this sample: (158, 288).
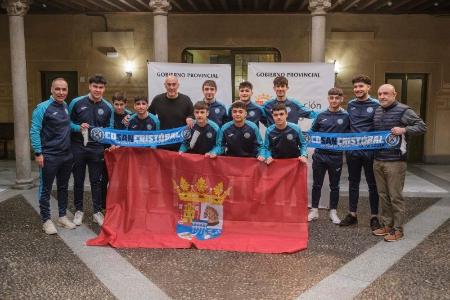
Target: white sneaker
(98, 218)
(66, 223)
(49, 227)
(78, 218)
(313, 214)
(334, 217)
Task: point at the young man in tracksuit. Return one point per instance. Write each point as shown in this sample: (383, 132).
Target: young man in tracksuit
(334, 120)
(361, 111)
(239, 137)
(284, 139)
(143, 120)
(204, 133)
(390, 164)
(217, 111)
(87, 112)
(50, 139)
(295, 109)
(255, 113)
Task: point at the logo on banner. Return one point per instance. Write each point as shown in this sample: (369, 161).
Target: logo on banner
(392, 140)
(307, 137)
(97, 134)
(200, 209)
(260, 99)
(186, 133)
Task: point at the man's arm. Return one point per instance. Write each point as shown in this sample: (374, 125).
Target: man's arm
(414, 124)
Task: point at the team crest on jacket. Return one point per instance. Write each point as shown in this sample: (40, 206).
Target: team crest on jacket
(369, 110)
(149, 126)
(209, 135)
(289, 136)
(100, 111)
(340, 121)
(247, 135)
(217, 110)
(97, 134)
(288, 109)
(251, 114)
(200, 209)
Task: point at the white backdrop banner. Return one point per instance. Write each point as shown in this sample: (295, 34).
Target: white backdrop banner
(191, 78)
(308, 83)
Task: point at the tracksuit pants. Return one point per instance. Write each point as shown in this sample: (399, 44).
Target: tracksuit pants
(326, 162)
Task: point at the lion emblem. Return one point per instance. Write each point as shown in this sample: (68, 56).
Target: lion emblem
(212, 215)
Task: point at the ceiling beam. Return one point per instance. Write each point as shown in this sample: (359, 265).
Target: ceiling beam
(176, 4)
(352, 4)
(303, 4)
(336, 4)
(399, 4)
(192, 4)
(287, 4)
(71, 6)
(144, 4)
(89, 7)
(382, 4)
(224, 4)
(113, 5)
(364, 6)
(240, 5)
(271, 4)
(208, 4)
(128, 4)
(416, 3)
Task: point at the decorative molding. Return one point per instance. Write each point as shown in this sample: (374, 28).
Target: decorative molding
(160, 7)
(319, 7)
(16, 7)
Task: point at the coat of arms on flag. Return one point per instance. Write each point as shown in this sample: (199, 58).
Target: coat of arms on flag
(200, 209)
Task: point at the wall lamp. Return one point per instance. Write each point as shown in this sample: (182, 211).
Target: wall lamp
(129, 68)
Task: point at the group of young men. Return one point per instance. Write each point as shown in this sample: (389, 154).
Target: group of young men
(57, 139)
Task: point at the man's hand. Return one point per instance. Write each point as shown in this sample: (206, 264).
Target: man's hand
(126, 120)
(260, 158)
(112, 148)
(303, 159)
(40, 160)
(189, 122)
(398, 130)
(84, 125)
(269, 160)
(210, 155)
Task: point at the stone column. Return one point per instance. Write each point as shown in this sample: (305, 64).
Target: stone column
(16, 10)
(318, 10)
(160, 44)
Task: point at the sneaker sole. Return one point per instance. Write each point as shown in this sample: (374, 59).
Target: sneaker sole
(401, 238)
(380, 234)
(66, 227)
(49, 233)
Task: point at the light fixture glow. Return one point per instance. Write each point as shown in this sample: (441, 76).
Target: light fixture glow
(129, 68)
(337, 67)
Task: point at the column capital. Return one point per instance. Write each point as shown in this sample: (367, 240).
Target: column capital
(160, 7)
(319, 7)
(16, 7)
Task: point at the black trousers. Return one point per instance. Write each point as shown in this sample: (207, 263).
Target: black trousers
(58, 166)
(356, 161)
(93, 158)
(322, 163)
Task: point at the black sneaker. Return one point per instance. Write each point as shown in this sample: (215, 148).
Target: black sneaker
(374, 223)
(349, 220)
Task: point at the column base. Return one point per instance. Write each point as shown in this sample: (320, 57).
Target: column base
(24, 184)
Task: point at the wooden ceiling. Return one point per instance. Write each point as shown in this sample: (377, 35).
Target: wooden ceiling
(435, 7)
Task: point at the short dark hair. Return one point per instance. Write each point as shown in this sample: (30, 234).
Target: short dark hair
(280, 81)
(362, 78)
(246, 84)
(210, 83)
(201, 105)
(239, 104)
(140, 98)
(279, 106)
(335, 91)
(119, 96)
(97, 78)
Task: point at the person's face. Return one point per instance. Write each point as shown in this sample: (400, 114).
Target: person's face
(97, 90)
(140, 107)
(238, 114)
(201, 116)
(361, 90)
(335, 101)
(245, 94)
(171, 84)
(386, 95)
(279, 117)
(280, 90)
(119, 107)
(209, 92)
(59, 90)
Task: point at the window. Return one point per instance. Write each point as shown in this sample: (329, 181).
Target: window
(238, 58)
